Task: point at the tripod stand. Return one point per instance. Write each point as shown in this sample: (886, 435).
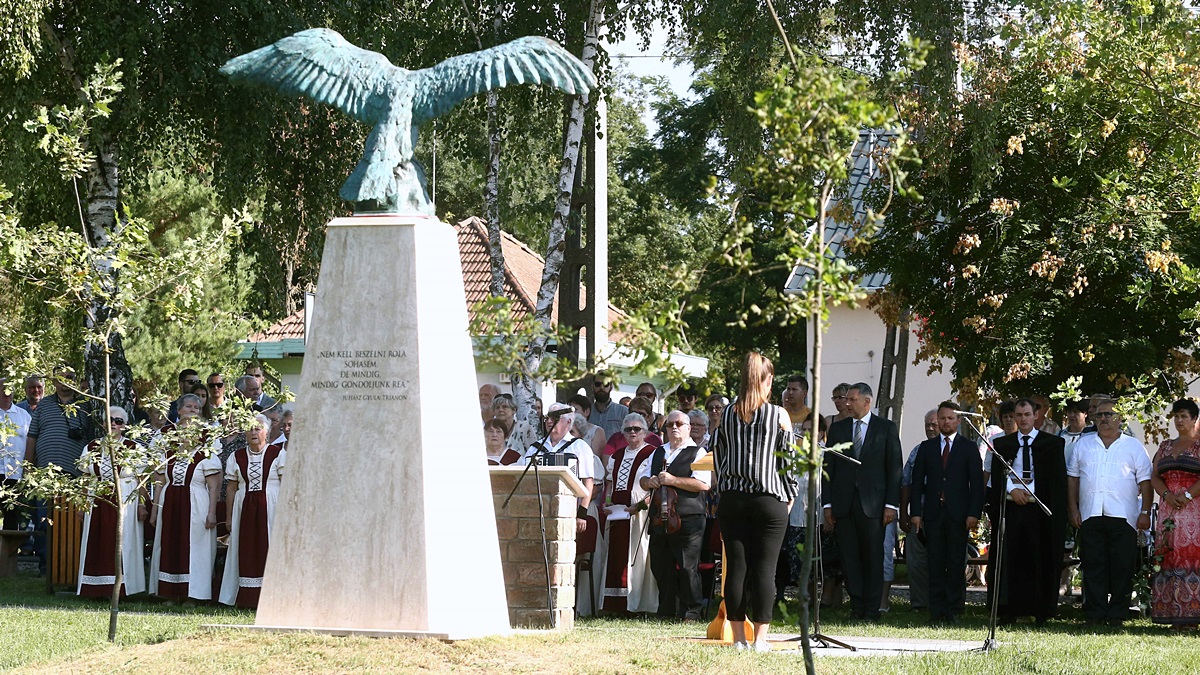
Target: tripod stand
(989, 643)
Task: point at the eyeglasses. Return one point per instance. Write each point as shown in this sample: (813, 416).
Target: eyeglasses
(839, 398)
(216, 385)
(1105, 415)
(679, 423)
(118, 420)
(633, 430)
(606, 385)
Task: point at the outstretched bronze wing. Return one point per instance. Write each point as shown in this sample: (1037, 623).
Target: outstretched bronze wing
(527, 60)
(321, 64)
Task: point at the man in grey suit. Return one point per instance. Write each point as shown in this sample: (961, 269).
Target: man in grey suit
(860, 500)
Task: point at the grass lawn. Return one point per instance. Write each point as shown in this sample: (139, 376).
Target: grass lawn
(46, 634)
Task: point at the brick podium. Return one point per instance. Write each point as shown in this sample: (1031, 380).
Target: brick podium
(519, 531)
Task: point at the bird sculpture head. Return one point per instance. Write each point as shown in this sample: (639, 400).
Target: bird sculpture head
(320, 64)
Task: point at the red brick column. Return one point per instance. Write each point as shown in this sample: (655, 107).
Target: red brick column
(519, 530)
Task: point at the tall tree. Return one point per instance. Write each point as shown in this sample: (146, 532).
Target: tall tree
(1059, 231)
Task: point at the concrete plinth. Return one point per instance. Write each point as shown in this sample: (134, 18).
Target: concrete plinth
(385, 521)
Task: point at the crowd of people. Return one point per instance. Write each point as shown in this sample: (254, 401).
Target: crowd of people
(1082, 488)
(200, 529)
(664, 485)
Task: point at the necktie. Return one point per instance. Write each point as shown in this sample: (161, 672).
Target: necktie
(858, 437)
(946, 453)
(1026, 462)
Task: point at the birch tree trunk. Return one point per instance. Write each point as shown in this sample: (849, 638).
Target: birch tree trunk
(492, 195)
(103, 218)
(107, 372)
(524, 388)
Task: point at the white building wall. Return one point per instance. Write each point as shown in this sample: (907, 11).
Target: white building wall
(852, 350)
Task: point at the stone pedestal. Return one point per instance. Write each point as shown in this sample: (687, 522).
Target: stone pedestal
(385, 521)
(520, 534)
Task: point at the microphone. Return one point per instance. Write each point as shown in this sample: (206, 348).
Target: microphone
(560, 412)
(972, 414)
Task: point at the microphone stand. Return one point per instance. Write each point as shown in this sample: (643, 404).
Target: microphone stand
(532, 462)
(990, 643)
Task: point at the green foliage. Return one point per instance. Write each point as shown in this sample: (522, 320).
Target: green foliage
(176, 276)
(1058, 235)
(64, 130)
(502, 338)
(163, 337)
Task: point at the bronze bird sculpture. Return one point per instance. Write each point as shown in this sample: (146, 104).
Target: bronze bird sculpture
(321, 64)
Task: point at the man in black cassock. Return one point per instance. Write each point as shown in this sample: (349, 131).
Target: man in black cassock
(1033, 542)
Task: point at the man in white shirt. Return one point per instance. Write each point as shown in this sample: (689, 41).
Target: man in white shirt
(15, 421)
(675, 556)
(561, 443)
(1108, 499)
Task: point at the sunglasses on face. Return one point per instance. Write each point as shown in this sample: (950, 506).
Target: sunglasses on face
(191, 382)
(634, 430)
(118, 420)
(679, 423)
(1105, 415)
(216, 385)
(839, 398)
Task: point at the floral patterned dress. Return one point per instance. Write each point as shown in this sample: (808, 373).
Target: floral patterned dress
(1176, 586)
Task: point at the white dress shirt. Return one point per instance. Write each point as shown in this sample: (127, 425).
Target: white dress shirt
(1019, 462)
(1109, 477)
(12, 452)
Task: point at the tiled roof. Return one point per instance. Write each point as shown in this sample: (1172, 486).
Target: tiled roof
(522, 278)
(863, 171)
(290, 327)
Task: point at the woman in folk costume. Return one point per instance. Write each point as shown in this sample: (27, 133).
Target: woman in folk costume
(628, 583)
(185, 509)
(252, 477)
(97, 555)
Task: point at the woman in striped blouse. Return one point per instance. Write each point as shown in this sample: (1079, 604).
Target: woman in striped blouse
(752, 453)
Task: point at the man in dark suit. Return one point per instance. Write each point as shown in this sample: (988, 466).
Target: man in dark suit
(1031, 552)
(947, 501)
(860, 500)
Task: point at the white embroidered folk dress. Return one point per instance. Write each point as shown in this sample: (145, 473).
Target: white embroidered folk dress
(133, 564)
(641, 594)
(269, 483)
(203, 542)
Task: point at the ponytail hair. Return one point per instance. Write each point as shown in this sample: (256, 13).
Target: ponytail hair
(754, 389)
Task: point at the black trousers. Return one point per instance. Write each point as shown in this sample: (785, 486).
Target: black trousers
(945, 547)
(1029, 580)
(860, 539)
(1108, 560)
(752, 527)
(675, 564)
